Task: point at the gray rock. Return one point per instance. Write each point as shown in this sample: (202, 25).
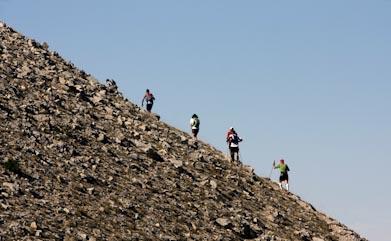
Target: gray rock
(184, 140)
(176, 163)
(82, 236)
(213, 184)
(153, 154)
(317, 239)
(223, 222)
(33, 227)
(247, 232)
(11, 187)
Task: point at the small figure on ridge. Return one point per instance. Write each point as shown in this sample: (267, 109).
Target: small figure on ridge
(233, 140)
(149, 98)
(195, 125)
(284, 169)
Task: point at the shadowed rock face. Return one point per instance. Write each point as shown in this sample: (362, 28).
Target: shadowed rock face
(80, 162)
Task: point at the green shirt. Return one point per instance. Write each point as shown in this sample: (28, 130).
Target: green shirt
(283, 168)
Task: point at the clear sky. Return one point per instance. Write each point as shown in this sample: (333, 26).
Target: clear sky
(304, 80)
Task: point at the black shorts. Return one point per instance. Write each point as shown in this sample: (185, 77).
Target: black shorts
(195, 131)
(234, 149)
(284, 177)
(149, 107)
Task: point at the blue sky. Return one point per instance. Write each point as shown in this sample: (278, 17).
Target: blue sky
(308, 81)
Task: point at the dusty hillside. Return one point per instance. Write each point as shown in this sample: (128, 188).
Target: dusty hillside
(80, 162)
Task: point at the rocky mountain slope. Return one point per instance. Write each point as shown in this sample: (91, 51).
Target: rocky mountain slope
(80, 162)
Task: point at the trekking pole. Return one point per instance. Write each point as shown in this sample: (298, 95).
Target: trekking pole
(271, 171)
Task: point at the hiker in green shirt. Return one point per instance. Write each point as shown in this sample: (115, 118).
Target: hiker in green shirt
(284, 169)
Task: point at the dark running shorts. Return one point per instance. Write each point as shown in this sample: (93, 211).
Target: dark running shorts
(283, 177)
(149, 107)
(195, 131)
(234, 149)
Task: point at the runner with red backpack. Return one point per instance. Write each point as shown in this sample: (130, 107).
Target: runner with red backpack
(233, 140)
(230, 131)
(149, 98)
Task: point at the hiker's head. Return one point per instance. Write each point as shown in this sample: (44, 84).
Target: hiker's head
(282, 161)
(194, 116)
(231, 129)
(147, 91)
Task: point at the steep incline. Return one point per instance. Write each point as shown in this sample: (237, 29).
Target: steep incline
(80, 162)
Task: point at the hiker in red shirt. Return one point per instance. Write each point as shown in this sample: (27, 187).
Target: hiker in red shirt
(149, 98)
